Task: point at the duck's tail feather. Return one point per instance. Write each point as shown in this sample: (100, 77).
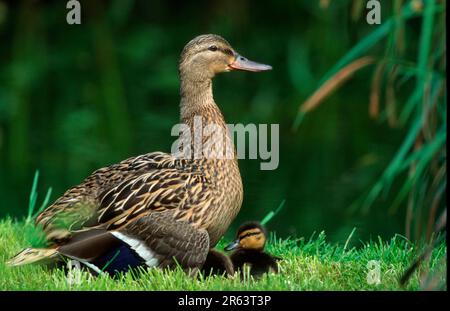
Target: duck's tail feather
(32, 255)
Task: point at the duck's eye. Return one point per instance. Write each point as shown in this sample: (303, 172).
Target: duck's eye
(213, 48)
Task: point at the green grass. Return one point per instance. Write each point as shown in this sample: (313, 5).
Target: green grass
(308, 264)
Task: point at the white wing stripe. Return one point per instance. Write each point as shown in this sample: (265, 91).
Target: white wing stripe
(139, 247)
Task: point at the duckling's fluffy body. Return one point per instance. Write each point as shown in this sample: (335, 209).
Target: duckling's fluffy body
(249, 251)
(256, 261)
(217, 263)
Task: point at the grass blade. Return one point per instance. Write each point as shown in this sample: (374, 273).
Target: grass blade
(44, 203)
(33, 195)
(330, 86)
(349, 238)
(393, 168)
(428, 152)
(271, 214)
(369, 41)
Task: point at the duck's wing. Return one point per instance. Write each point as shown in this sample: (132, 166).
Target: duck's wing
(79, 205)
(153, 240)
(168, 188)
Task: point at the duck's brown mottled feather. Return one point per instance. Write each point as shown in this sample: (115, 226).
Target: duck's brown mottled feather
(172, 242)
(205, 193)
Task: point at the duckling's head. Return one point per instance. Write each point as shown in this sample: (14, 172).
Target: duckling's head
(207, 55)
(251, 236)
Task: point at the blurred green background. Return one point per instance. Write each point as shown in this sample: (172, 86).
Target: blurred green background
(76, 98)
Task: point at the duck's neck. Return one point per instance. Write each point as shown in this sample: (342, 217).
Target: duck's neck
(197, 100)
(199, 110)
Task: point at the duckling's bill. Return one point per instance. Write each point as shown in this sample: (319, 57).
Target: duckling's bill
(232, 245)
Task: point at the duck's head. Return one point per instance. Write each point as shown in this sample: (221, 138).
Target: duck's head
(207, 55)
(251, 236)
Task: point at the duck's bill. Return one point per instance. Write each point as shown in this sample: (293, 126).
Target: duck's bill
(232, 245)
(242, 63)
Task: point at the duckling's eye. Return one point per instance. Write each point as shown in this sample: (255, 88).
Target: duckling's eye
(213, 48)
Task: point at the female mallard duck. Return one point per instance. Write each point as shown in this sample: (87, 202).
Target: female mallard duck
(249, 250)
(155, 209)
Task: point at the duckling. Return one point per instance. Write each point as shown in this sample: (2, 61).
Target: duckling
(249, 250)
(155, 209)
(217, 263)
